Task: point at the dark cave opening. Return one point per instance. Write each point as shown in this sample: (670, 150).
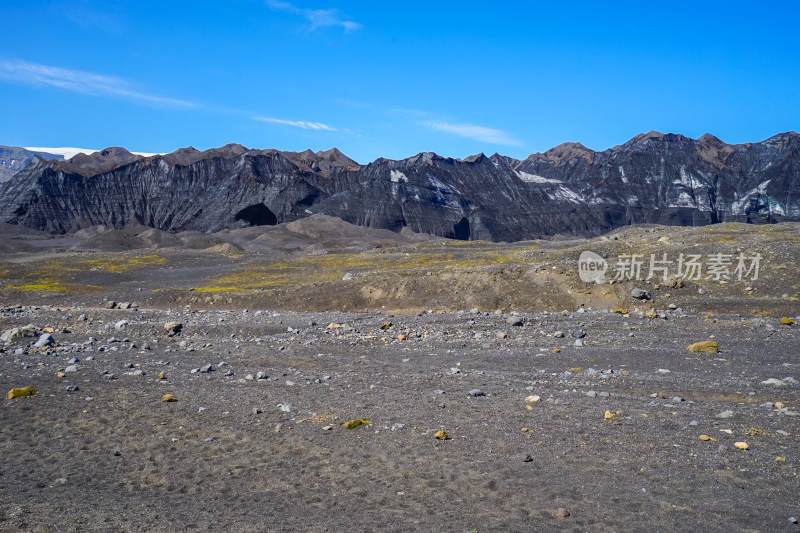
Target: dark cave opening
(461, 230)
(257, 215)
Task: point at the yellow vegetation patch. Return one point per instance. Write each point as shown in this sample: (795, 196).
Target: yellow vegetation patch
(355, 423)
(21, 392)
(37, 287)
(704, 347)
(120, 264)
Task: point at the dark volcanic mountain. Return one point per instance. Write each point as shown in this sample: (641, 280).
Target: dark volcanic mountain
(653, 178)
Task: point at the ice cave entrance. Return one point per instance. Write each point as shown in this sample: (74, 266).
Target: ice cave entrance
(257, 215)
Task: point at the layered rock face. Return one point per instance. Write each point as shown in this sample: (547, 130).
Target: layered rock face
(655, 178)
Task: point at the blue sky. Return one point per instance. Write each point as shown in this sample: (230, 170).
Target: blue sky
(394, 79)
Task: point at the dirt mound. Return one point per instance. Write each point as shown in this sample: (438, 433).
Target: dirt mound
(156, 238)
(198, 241)
(328, 228)
(113, 240)
(15, 247)
(14, 230)
(225, 248)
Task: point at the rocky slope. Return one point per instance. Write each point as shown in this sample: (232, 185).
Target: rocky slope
(653, 178)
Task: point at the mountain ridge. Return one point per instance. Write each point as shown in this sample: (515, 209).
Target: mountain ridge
(569, 189)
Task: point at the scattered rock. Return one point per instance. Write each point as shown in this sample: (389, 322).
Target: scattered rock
(640, 294)
(562, 513)
(726, 414)
(441, 435)
(45, 340)
(15, 334)
(741, 446)
(173, 328)
(786, 320)
(169, 398)
(476, 393)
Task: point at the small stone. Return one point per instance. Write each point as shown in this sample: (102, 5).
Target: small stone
(514, 321)
(787, 321)
(608, 414)
(441, 435)
(205, 369)
(347, 277)
(73, 361)
(256, 411)
(741, 446)
(793, 520)
(476, 393)
(562, 513)
(162, 375)
(71, 368)
(558, 334)
(121, 325)
(704, 437)
(527, 458)
(72, 388)
(260, 375)
(285, 407)
(533, 399)
(725, 414)
(579, 342)
(169, 398)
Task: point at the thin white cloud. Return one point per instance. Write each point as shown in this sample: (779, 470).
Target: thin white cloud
(297, 123)
(26, 73)
(317, 18)
(477, 133)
